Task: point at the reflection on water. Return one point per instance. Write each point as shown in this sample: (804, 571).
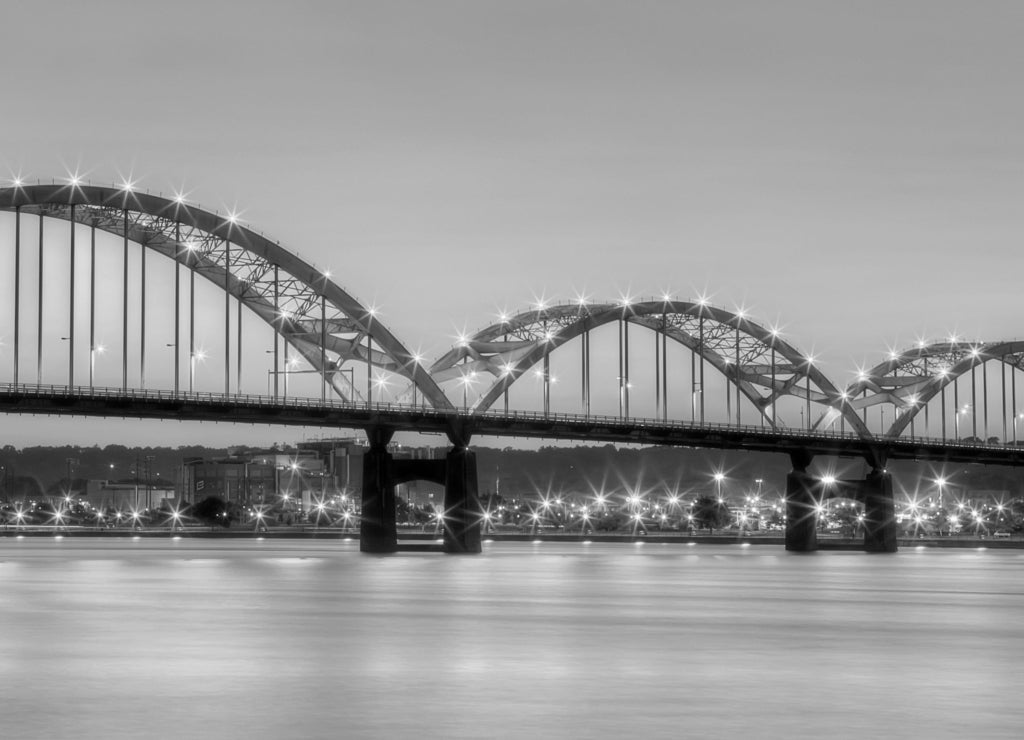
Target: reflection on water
(311, 639)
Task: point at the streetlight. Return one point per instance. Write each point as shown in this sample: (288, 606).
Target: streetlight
(175, 361)
(719, 477)
(911, 409)
(292, 363)
(195, 356)
(956, 417)
(381, 383)
(466, 380)
(98, 349)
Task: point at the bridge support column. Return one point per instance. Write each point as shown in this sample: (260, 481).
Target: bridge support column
(879, 513)
(462, 511)
(378, 532)
(801, 507)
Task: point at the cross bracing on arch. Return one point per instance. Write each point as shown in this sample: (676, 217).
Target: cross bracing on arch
(908, 380)
(326, 325)
(759, 364)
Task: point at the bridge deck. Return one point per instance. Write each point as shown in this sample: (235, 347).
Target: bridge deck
(258, 409)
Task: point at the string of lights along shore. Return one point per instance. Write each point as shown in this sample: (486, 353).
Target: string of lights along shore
(110, 298)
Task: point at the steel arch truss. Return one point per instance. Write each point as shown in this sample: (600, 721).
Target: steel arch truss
(323, 322)
(756, 360)
(908, 380)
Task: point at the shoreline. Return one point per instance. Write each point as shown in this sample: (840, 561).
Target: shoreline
(425, 540)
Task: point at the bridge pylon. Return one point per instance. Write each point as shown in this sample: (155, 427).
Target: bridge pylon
(463, 514)
(801, 505)
(378, 532)
(879, 512)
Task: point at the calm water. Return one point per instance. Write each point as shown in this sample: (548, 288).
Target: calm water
(307, 639)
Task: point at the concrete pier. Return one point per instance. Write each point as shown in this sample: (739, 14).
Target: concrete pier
(378, 532)
(463, 513)
(879, 513)
(801, 512)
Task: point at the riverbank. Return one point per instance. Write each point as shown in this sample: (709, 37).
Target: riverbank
(423, 539)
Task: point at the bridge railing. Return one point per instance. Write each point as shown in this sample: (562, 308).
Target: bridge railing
(386, 407)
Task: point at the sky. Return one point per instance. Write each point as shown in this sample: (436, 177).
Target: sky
(850, 170)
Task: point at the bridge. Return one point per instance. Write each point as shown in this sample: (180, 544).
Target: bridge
(87, 260)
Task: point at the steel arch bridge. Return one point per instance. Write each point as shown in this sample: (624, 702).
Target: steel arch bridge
(324, 323)
(331, 330)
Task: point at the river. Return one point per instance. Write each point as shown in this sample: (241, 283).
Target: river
(123, 638)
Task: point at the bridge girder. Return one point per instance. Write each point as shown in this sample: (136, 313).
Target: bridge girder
(301, 303)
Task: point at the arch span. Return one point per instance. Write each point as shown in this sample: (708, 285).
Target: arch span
(754, 359)
(321, 320)
(908, 380)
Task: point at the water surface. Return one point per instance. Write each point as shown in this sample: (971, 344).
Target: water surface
(310, 639)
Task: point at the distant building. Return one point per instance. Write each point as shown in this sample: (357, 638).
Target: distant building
(318, 470)
(126, 496)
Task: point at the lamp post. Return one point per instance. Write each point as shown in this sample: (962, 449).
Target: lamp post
(719, 477)
(911, 409)
(290, 364)
(194, 357)
(940, 483)
(272, 374)
(96, 349)
(466, 380)
(956, 418)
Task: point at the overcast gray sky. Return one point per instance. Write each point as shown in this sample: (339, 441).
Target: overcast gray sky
(853, 170)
